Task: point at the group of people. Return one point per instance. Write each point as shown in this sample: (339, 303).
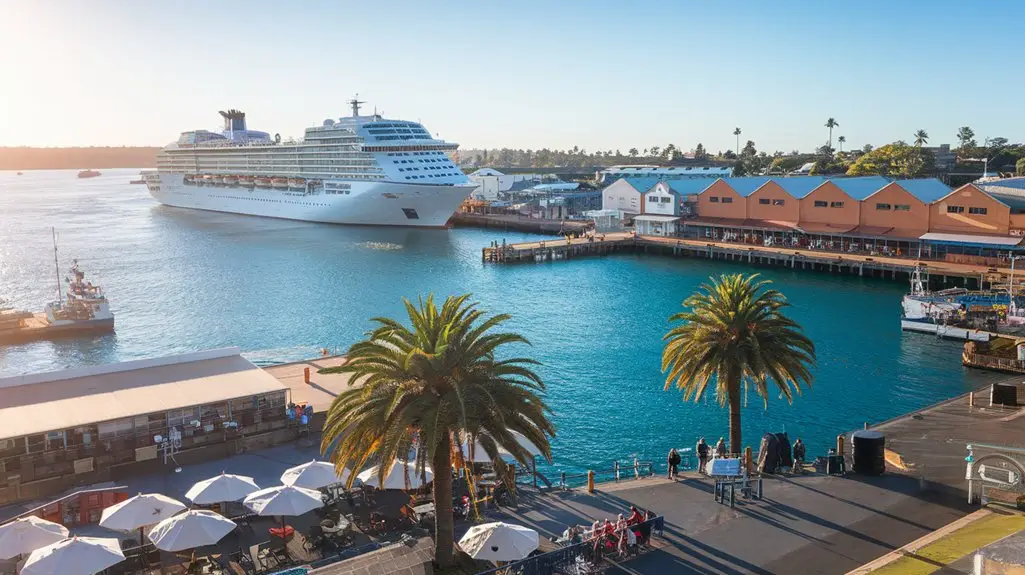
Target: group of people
(704, 455)
(621, 536)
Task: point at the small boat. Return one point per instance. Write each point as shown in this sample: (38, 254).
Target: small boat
(139, 181)
(262, 182)
(245, 180)
(296, 183)
(279, 182)
(88, 174)
(20, 174)
(230, 180)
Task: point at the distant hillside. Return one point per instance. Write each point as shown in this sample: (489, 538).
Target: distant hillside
(76, 158)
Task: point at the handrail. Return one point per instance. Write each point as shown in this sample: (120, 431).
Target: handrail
(79, 493)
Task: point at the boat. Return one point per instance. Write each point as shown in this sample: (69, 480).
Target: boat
(245, 180)
(958, 313)
(230, 180)
(138, 181)
(370, 170)
(20, 174)
(82, 309)
(88, 174)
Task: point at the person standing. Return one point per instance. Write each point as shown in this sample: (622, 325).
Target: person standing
(799, 455)
(674, 463)
(702, 449)
(720, 448)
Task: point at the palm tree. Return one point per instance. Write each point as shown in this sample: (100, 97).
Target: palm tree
(921, 138)
(736, 132)
(422, 385)
(831, 123)
(734, 335)
(841, 140)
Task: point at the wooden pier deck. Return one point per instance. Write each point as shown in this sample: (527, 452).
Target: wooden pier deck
(858, 264)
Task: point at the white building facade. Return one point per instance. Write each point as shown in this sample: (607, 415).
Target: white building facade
(661, 215)
(622, 197)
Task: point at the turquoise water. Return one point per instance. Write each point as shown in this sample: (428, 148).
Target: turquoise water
(183, 280)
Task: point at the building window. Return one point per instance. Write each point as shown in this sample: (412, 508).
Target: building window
(113, 429)
(955, 209)
(777, 202)
(901, 208)
(977, 211)
(764, 201)
(666, 200)
(882, 206)
(653, 199)
(714, 199)
(836, 204)
(821, 204)
(726, 200)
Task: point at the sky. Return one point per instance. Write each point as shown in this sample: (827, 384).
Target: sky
(526, 74)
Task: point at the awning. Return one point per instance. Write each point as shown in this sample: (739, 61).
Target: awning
(903, 234)
(761, 225)
(656, 218)
(973, 240)
(823, 228)
(870, 231)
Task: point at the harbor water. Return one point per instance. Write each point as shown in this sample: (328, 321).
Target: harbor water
(182, 280)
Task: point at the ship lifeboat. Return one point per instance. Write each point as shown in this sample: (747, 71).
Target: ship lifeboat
(262, 182)
(279, 182)
(245, 180)
(230, 180)
(187, 179)
(296, 183)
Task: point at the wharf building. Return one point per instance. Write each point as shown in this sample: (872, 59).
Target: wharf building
(98, 424)
(975, 223)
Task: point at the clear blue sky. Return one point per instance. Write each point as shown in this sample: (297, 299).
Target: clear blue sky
(524, 74)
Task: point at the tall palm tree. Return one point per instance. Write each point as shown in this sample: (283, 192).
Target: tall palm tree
(735, 335)
(736, 132)
(921, 138)
(831, 123)
(840, 140)
(422, 385)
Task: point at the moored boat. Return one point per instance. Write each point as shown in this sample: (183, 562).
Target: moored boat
(88, 174)
(279, 182)
(296, 183)
(230, 180)
(262, 182)
(245, 180)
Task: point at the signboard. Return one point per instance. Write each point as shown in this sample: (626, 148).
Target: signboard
(725, 468)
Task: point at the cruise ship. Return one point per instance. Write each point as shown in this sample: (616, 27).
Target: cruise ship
(365, 170)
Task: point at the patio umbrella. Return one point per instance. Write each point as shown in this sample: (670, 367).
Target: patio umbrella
(194, 528)
(402, 475)
(524, 442)
(499, 542)
(27, 534)
(283, 500)
(139, 511)
(313, 475)
(224, 487)
(75, 556)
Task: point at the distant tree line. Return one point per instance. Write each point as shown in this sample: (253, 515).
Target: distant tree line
(77, 158)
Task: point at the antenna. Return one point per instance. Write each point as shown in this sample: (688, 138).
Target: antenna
(56, 264)
(355, 103)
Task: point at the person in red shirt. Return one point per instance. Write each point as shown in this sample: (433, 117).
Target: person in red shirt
(635, 516)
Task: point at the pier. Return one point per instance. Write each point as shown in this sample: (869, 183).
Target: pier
(941, 272)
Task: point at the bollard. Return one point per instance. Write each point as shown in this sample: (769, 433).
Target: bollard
(637, 469)
(590, 481)
(306, 374)
(839, 445)
(617, 470)
(747, 460)
(866, 425)
(971, 399)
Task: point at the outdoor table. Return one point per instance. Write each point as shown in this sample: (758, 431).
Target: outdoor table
(331, 526)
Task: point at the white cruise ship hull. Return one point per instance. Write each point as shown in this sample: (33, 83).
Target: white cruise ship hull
(367, 203)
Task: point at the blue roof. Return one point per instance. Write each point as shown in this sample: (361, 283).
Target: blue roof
(1016, 183)
(692, 186)
(799, 186)
(746, 186)
(641, 184)
(862, 187)
(927, 190)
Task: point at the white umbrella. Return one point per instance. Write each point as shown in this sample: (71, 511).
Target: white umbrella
(224, 487)
(499, 542)
(75, 556)
(139, 511)
(283, 500)
(27, 534)
(402, 475)
(478, 454)
(194, 528)
(313, 475)
(524, 442)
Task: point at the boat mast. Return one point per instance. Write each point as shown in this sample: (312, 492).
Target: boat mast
(57, 266)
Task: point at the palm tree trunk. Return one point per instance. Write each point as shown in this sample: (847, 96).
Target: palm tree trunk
(444, 533)
(735, 423)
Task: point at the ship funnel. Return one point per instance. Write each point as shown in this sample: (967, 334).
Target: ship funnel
(234, 120)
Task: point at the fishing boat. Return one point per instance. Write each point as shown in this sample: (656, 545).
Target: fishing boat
(959, 313)
(88, 174)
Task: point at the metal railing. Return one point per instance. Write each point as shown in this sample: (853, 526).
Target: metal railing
(564, 559)
(993, 362)
(62, 499)
(618, 472)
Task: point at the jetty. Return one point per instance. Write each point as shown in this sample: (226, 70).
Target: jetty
(508, 222)
(890, 267)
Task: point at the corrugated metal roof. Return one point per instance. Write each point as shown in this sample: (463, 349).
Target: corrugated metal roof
(799, 186)
(861, 187)
(694, 186)
(642, 184)
(972, 240)
(1011, 199)
(746, 186)
(1016, 183)
(927, 190)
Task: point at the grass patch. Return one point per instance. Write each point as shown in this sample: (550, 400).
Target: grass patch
(969, 538)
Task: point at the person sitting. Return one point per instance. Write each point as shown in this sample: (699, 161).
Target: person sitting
(635, 516)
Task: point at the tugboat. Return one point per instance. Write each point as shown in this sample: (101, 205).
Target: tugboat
(88, 174)
(82, 309)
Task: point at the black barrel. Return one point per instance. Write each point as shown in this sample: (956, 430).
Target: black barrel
(869, 452)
